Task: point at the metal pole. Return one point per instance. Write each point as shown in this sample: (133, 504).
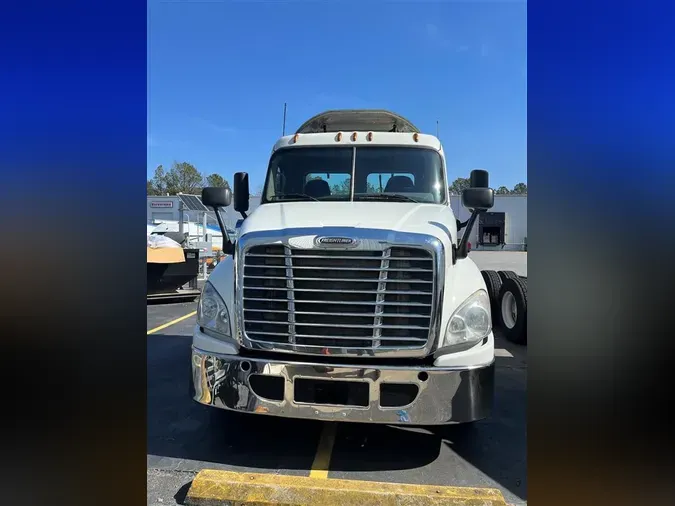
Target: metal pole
(283, 128)
(180, 217)
(204, 239)
(437, 128)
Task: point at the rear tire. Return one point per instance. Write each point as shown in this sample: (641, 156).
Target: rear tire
(493, 283)
(512, 310)
(504, 275)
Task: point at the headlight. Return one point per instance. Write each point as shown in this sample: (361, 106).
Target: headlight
(212, 313)
(471, 322)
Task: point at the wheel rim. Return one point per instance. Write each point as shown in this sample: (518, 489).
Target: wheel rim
(509, 310)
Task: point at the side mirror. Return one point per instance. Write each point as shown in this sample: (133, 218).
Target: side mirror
(480, 199)
(216, 197)
(479, 195)
(241, 192)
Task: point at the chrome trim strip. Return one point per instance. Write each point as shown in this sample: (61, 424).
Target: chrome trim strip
(369, 240)
(344, 338)
(364, 269)
(322, 290)
(368, 315)
(378, 259)
(381, 295)
(342, 280)
(351, 303)
(290, 294)
(342, 325)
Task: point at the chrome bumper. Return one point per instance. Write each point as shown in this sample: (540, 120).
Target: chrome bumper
(445, 395)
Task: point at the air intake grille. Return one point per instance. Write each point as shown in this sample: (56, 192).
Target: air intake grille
(357, 301)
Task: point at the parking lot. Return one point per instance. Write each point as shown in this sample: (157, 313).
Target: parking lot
(184, 437)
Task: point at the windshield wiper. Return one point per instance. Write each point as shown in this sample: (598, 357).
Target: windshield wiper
(387, 196)
(293, 196)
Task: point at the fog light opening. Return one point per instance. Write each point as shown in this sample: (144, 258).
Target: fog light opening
(267, 387)
(423, 376)
(245, 366)
(397, 395)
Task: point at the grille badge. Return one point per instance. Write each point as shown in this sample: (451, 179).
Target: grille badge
(336, 242)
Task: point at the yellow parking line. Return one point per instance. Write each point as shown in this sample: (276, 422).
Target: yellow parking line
(323, 452)
(172, 322)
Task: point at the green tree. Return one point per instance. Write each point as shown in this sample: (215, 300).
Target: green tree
(460, 184)
(345, 187)
(157, 185)
(183, 177)
(502, 190)
(342, 188)
(520, 189)
(217, 180)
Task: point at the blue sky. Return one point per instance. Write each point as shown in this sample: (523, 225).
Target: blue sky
(219, 73)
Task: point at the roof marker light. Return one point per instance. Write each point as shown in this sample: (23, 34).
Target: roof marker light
(369, 137)
(295, 137)
(338, 137)
(416, 137)
(354, 136)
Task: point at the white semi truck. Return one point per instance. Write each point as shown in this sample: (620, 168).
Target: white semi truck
(348, 294)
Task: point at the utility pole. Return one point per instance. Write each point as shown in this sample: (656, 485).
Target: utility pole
(283, 129)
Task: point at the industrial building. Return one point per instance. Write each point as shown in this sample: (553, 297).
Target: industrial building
(190, 210)
(503, 227)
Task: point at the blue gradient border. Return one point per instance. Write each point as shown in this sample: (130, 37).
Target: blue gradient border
(601, 168)
(73, 164)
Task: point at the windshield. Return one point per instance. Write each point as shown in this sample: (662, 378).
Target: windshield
(397, 174)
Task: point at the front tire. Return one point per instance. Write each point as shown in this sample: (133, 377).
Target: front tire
(512, 310)
(493, 284)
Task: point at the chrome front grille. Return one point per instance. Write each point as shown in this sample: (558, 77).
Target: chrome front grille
(358, 301)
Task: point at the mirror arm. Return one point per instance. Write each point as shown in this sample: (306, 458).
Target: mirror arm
(228, 247)
(462, 248)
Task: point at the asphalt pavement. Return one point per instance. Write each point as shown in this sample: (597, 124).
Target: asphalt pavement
(185, 437)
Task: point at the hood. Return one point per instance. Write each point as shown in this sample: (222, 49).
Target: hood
(432, 219)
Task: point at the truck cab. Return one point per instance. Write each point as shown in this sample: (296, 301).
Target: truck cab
(348, 294)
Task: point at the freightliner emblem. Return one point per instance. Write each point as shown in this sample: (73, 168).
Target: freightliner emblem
(343, 242)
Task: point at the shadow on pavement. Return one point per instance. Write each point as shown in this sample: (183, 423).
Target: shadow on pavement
(172, 301)
(180, 496)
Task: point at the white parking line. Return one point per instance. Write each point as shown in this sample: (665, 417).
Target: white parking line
(501, 352)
